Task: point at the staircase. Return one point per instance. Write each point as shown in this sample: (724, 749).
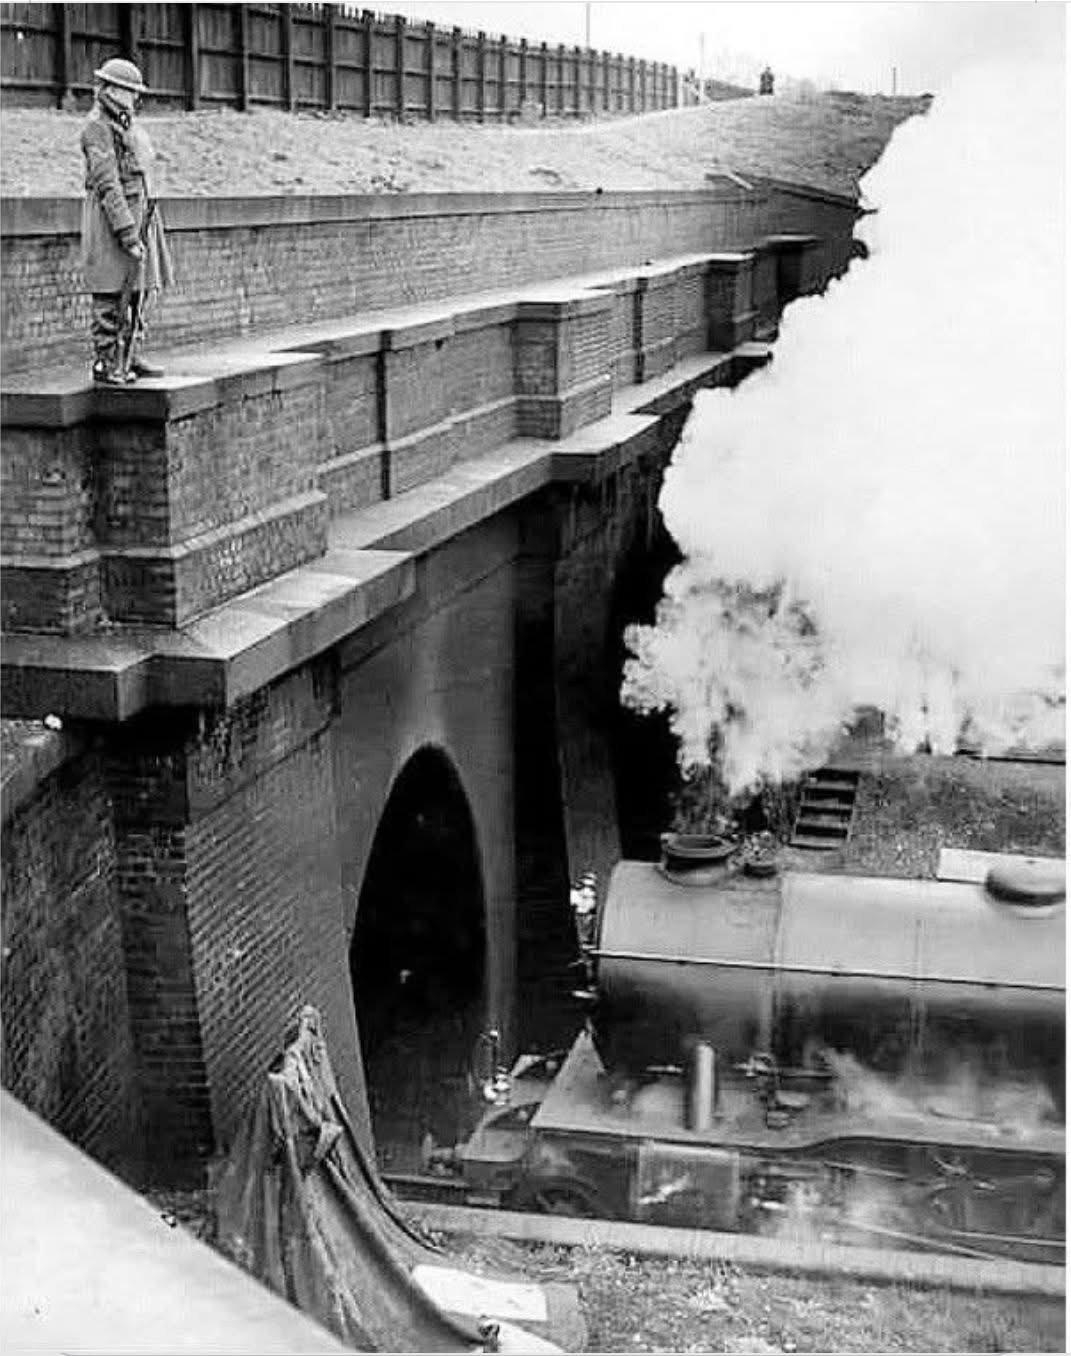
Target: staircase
(827, 803)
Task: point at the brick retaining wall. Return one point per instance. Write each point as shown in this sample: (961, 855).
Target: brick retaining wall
(66, 1034)
(247, 266)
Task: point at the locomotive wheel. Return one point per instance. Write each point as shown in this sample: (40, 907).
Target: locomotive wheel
(560, 1198)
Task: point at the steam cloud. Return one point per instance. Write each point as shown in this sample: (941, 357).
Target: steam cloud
(878, 517)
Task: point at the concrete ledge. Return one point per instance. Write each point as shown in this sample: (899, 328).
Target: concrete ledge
(768, 1254)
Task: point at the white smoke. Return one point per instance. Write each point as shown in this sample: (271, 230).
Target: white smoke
(878, 517)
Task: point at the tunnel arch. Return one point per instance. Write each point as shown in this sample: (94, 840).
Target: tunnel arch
(418, 962)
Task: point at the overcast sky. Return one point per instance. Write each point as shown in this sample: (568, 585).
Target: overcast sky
(845, 42)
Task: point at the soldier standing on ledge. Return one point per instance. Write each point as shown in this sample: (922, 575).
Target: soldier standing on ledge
(124, 252)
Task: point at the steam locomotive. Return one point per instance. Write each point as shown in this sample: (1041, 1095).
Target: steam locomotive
(846, 1058)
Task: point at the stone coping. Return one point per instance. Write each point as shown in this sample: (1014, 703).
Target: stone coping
(60, 216)
(369, 568)
(63, 216)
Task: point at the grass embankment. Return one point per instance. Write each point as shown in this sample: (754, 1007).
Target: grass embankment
(827, 141)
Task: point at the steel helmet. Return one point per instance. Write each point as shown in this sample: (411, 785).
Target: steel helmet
(118, 71)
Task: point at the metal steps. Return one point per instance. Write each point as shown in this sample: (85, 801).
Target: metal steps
(827, 803)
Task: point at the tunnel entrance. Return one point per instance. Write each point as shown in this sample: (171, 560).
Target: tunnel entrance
(417, 965)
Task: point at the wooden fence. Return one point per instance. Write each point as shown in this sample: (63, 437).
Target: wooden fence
(311, 56)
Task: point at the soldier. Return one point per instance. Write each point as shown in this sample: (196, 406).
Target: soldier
(124, 252)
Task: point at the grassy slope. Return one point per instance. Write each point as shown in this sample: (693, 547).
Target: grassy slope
(827, 141)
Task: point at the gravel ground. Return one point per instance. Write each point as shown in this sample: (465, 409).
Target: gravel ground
(632, 1303)
(827, 141)
(653, 1304)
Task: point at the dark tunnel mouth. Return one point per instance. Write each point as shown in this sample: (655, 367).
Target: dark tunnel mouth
(417, 963)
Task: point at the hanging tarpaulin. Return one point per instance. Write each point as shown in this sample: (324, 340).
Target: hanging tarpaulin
(301, 1206)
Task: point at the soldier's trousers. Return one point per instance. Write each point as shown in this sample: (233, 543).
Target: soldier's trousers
(109, 329)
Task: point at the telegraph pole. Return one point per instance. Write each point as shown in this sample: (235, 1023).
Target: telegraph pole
(894, 81)
(702, 67)
(587, 23)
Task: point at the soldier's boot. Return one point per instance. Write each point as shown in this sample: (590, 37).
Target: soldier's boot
(105, 327)
(137, 364)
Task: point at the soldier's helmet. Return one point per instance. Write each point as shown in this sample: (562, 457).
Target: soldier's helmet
(121, 73)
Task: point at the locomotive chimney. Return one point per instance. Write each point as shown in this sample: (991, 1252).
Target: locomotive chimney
(695, 858)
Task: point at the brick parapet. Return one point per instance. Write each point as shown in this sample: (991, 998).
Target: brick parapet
(246, 266)
(361, 412)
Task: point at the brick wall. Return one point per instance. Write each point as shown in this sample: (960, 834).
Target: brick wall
(66, 1032)
(228, 880)
(251, 265)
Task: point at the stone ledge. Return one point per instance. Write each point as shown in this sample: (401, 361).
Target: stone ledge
(66, 398)
(62, 216)
(230, 652)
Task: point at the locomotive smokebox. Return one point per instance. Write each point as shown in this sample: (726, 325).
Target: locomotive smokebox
(902, 973)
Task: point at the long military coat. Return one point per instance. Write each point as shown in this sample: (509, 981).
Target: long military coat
(118, 191)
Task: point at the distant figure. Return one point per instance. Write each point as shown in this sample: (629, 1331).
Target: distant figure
(766, 81)
(124, 253)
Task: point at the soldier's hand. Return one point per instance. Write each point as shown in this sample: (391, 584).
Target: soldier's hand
(136, 251)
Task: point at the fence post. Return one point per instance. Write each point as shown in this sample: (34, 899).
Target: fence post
(481, 72)
(128, 32)
(455, 73)
(330, 72)
(576, 83)
(522, 63)
(241, 16)
(503, 69)
(192, 38)
(429, 38)
(544, 78)
(63, 53)
(399, 65)
(286, 37)
(368, 20)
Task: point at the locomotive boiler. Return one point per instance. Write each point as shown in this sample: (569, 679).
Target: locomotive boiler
(852, 1058)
